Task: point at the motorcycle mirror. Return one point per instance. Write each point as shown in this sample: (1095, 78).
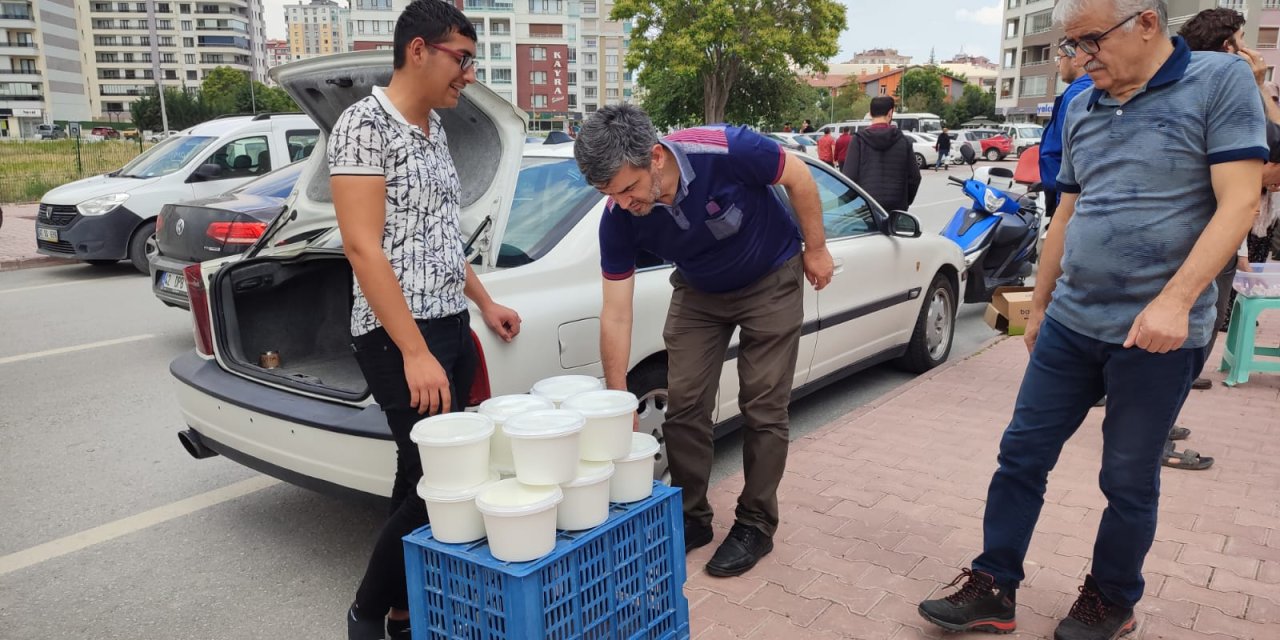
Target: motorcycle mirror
(966, 152)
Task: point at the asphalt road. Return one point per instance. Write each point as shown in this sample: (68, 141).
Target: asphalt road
(110, 530)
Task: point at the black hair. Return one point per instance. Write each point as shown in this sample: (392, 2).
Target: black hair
(881, 106)
(1210, 29)
(433, 21)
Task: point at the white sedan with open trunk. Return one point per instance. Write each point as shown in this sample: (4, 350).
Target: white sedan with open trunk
(532, 224)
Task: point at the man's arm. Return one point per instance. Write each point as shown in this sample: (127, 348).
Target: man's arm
(359, 202)
(501, 320)
(615, 331)
(1162, 326)
(803, 192)
(1050, 267)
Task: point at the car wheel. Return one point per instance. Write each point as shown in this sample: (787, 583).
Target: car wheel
(920, 162)
(992, 155)
(649, 384)
(142, 246)
(935, 327)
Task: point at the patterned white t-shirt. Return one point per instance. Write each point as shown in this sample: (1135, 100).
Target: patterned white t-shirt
(421, 237)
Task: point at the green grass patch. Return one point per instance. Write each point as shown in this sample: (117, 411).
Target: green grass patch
(29, 168)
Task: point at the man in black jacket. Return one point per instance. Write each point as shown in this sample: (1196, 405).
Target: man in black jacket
(882, 161)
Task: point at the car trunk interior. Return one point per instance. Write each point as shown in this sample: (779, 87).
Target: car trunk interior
(301, 310)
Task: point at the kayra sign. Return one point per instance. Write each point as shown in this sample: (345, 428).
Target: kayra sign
(557, 77)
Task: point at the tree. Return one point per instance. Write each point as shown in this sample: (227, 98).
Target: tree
(184, 110)
(762, 99)
(921, 90)
(221, 88)
(716, 41)
(974, 103)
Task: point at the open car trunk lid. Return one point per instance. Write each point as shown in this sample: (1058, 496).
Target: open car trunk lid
(486, 135)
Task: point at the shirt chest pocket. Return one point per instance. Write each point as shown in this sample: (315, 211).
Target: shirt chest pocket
(724, 216)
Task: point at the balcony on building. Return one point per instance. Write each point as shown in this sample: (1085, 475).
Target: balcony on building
(16, 15)
(488, 5)
(21, 91)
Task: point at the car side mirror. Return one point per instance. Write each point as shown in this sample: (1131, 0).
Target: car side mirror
(903, 225)
(208, 171)
(966, 152)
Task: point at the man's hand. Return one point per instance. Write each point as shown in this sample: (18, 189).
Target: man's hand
(1271, 176)
(1256, 63)
(1160, 328)
(501, 320)
(1033, 329)
(818, 267)
(1242, 264)
(428, 385)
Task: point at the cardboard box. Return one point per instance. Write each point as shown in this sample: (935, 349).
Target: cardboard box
(1009, 310)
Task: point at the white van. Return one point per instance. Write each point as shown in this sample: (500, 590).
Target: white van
(1023, 134)
(112, 217)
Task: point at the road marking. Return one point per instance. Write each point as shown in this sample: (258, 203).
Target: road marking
(125, 526)
(80, 347)
(39, 286)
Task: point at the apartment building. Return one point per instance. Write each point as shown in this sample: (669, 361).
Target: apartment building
(316, 28)
(130, 46)
(277, 53)
(1028, 79)
(558, 60)
(41, 75)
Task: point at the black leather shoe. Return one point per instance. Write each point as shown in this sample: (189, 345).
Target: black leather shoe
(741, 550)
(360, 627)
(696, 535)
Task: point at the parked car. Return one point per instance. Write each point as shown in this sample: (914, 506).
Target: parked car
(533, 228)
(129, 134)
(997, 147)
(161, 135)
(191, 232)
(50, 132)
(106, 133)
(112, 217)
(1023, 134)
(988, 143)
(797, 142)
(922, 145)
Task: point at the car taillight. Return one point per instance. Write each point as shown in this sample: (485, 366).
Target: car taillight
(198, 298)
(236, 232)
(480, 389)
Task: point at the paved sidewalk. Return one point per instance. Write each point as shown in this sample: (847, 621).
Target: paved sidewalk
(883, 507)
(18, 240)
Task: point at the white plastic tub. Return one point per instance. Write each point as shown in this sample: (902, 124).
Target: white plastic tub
(633, 474)
(586, 499)
(454, 449)
(519, 519)
(501, 409)
(453, 513)
(560, 388)
(610, 419)
(544, 445)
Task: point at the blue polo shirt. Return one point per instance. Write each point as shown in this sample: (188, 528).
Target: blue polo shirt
(726, 228)
(1142, 172)
(1051, 139)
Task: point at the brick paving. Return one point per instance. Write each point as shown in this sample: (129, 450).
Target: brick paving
(883, 507)
(18, 239)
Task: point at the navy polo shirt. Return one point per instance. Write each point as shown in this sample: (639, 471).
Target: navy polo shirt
(726, 228)
(1142, 172)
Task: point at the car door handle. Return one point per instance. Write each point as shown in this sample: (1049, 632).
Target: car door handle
(839, 266)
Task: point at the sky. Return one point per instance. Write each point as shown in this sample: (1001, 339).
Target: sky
(910, 26)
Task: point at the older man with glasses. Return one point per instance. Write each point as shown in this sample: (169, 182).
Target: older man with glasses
(1160, 167)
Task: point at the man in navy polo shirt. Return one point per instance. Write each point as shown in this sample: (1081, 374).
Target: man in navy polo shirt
(702, 199)
(1161, 164)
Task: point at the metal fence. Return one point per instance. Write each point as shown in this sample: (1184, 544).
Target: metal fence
(29, 168)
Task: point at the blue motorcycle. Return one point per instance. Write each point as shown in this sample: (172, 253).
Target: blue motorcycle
(997, 234)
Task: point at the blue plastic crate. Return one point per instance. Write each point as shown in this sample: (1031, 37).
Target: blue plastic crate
(621, 580)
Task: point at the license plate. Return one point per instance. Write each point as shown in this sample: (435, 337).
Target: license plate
(49, 235)
(175, 282)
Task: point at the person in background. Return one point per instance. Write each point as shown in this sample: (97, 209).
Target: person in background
(807, 128)
(1110, 315)
(396, 194)
(842, 145)
(786, 127)
(943, 146)
(1051, 140)
(827, 148)
(882, 161)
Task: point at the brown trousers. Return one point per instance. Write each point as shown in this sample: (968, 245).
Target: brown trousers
(768, 314)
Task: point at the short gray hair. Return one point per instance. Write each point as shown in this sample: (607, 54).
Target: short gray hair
(1071, 9)
(613, 135)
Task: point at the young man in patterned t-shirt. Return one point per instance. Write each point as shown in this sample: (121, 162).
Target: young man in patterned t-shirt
(396, 194)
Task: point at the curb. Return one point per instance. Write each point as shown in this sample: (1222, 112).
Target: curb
(14, 264)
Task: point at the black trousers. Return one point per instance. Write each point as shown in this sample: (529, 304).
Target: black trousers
(449, 340)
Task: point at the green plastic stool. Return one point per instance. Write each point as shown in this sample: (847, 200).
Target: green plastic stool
(1240, 356)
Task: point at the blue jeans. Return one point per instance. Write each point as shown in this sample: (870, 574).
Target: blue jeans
(1067, 374)
(942, 159)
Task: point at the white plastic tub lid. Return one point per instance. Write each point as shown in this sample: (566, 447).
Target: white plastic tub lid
(605, 403)
(452, 429)
(511, 498)
(590, 473)
(501, 408)
(432, 494)
(548, 423)
(643, 446)
(560, 388)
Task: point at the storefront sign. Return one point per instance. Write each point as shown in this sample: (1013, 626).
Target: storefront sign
(28, 113)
